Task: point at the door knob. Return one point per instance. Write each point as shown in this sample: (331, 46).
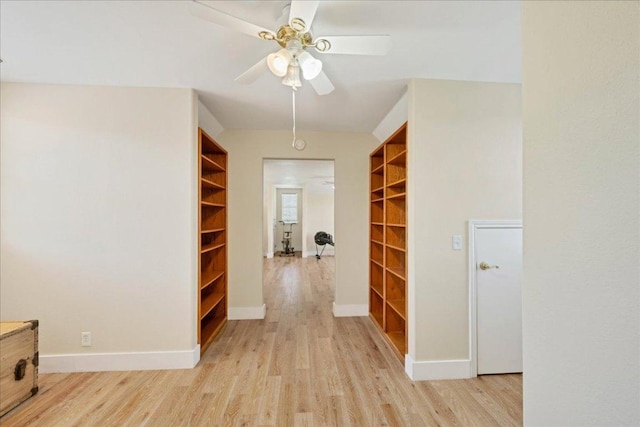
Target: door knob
(484, 266)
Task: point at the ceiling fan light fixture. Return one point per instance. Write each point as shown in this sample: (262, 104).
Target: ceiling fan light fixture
(311, 66)
(292, 78)
(279, 62)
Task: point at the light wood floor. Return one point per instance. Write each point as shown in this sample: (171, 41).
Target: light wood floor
(299, 366)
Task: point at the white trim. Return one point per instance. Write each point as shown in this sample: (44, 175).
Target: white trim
(247, 313)
(269, 255)
(436, 369)
(350, 310)
(133, 361)
(475, 224)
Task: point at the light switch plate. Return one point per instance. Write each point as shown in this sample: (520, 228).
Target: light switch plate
(456, 243)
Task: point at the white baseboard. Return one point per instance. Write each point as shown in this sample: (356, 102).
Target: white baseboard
(437, 369)
(350, 310)
(313, 253)
(134, 361)
(247, 313)
(269, 254)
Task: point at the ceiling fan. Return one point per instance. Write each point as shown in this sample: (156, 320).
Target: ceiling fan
(294, 37)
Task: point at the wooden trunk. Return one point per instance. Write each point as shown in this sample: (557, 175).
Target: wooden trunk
(18, 363)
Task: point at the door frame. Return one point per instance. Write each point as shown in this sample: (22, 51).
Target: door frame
(473, 225)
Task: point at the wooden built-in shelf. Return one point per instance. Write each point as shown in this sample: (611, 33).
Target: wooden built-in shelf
(377, 290)
(396, 248)
(377, 262)
(212, 230)
(398, 306)
(399, 183)
(399, 341)
(207, 183)
(387, 240)
(210, 278)
(212, 263)
(205, 249)
(209, 303)
(397, 196)
(213, 205)
(399, 159)
(207, 163)
(399, 272)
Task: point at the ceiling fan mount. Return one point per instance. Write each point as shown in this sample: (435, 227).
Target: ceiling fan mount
(294, 37)
(295, 31)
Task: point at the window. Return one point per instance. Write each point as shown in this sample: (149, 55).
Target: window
(289, 207)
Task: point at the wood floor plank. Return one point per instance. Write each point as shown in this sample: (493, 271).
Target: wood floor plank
(300, 366)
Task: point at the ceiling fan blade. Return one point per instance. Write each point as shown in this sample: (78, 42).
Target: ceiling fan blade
(322, 84)
(252, 74)
(207, 13)
(357, 45)
(305, 10)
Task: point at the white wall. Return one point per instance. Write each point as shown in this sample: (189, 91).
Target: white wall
(247, 149)
(396, 117)
(464, 162)
(319, 217)
(98, 217)
(208, 122)
(268, 216)
(582, 213)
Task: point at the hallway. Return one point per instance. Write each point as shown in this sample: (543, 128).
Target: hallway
(299, 366)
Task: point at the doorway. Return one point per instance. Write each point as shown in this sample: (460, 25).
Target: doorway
(298, 198)
(288, 222)
(495, 297)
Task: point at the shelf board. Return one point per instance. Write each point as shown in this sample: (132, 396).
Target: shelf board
(376, 241)
(397, 225)
(398, 306)
(209, 331)
(377, 291)
(398, 340)
(377, 263)
(402, 195)
(377, 319)
(399, 159)
(208, 304)
(212, 230)
(381, 199)
(377, 189)
(398, 272)
(377, 168)
(398, 183)
(215, 205)
(210, 184)
(396, 248)
(210, 278)
(211, 247)
(210, 164)
(377, 223)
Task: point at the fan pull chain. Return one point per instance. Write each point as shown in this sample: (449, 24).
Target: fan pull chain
(293, 143)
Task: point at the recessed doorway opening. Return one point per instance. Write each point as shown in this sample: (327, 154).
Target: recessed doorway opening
(298, 204)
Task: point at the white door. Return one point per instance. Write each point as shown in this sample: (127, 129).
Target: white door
(498, 254)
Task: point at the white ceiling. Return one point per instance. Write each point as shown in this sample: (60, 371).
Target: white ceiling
(160, 44)
(316, 175)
